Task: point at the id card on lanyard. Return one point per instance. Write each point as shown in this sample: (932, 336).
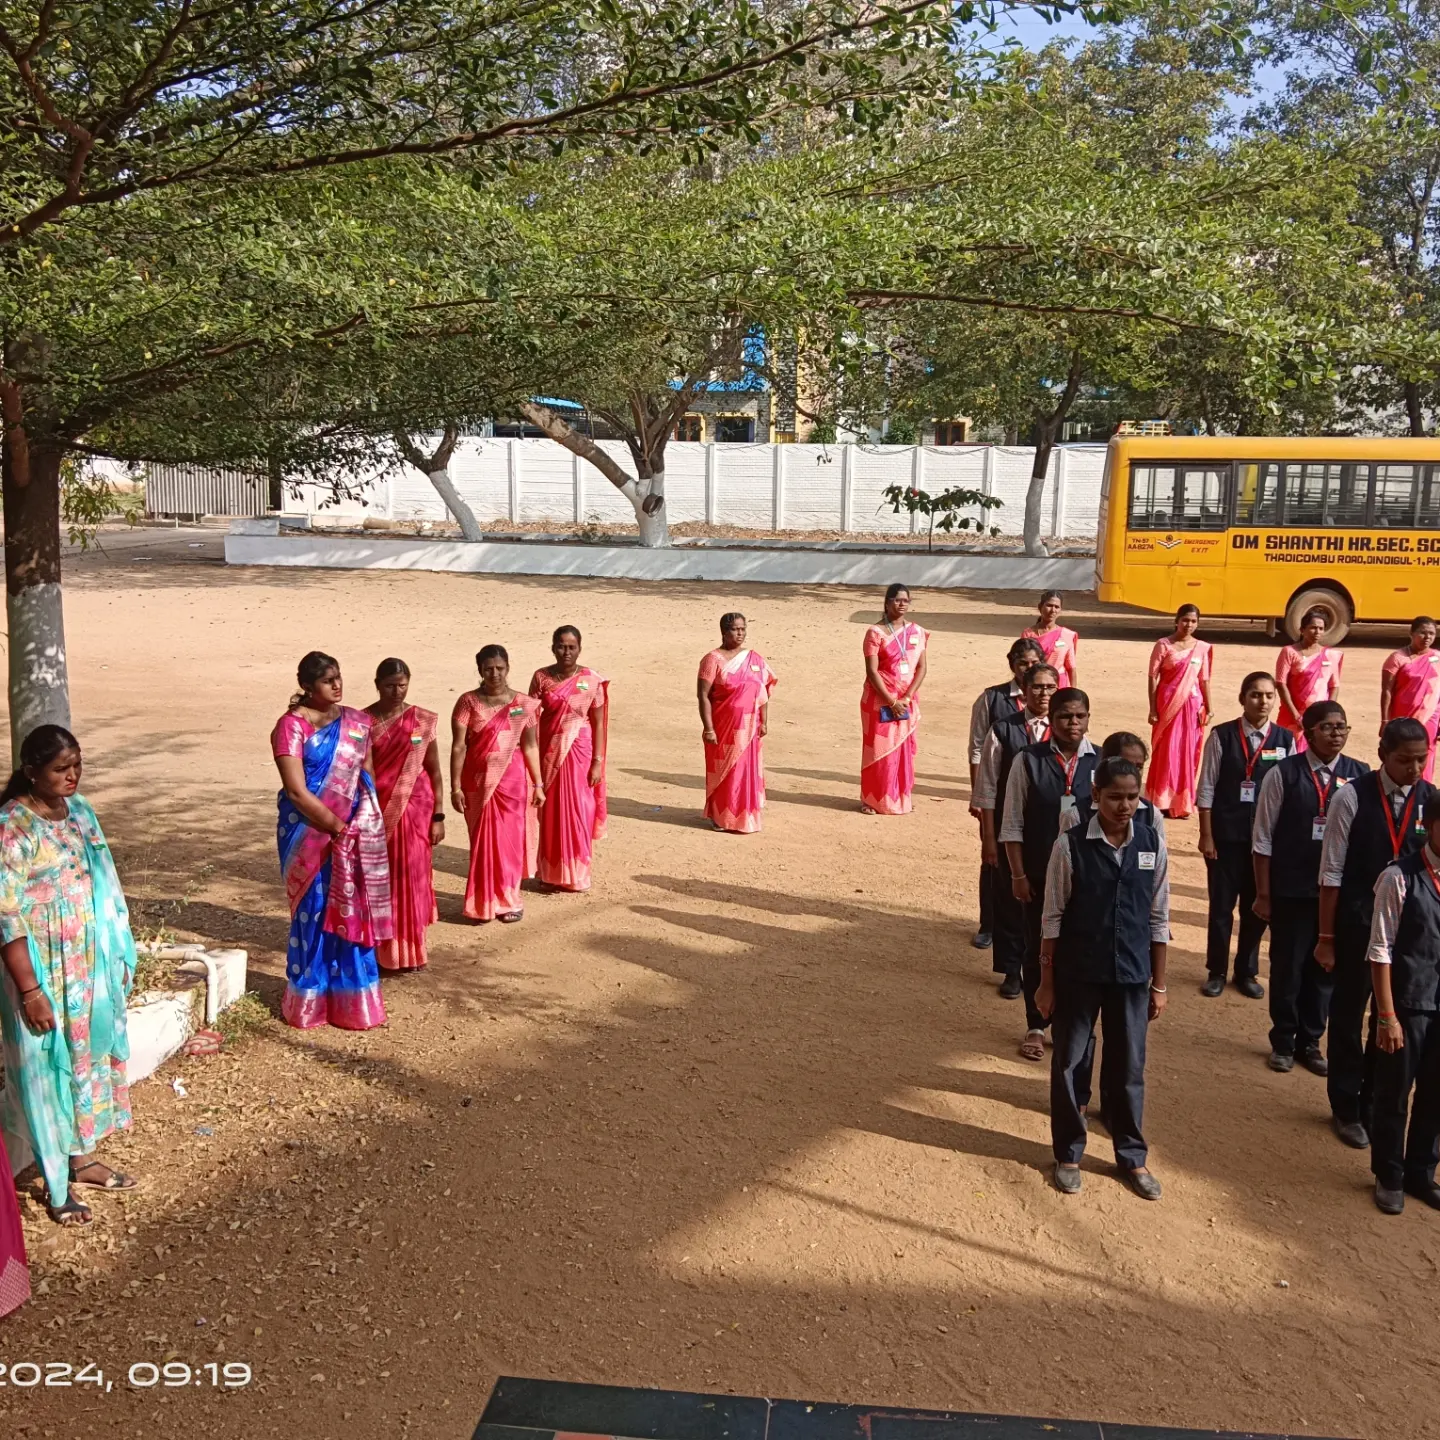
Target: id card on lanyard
(898, 636)
(1317, 826)
(1248, 786)
(1067, 800)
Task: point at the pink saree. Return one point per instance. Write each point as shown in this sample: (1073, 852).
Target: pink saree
(407, 801)
(1178, 736)
(887, 753)
(573, 816)
(1306, 679)
(1059, 646)
(496, 788)
(734, 766)
(1416, 692)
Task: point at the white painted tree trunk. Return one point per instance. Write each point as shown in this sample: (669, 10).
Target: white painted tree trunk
(654, 529)
(39, 681)
(464, 515)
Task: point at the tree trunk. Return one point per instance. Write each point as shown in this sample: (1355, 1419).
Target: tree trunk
(39, 683)
(653, 522)
(1414, 411)
(436, 469)
(1035, 493)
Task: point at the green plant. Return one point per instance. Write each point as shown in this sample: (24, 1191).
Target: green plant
(242, 1019)
(942, 508)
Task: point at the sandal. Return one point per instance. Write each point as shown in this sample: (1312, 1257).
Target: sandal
(511, 917)
(71, 1214)
(1032, 1047)
(113, 1180)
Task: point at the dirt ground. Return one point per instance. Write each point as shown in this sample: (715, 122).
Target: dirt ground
(748, 1117)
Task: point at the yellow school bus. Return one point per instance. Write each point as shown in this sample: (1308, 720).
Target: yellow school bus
(1270, 528)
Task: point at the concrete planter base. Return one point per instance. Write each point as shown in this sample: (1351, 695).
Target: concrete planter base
(774, 563)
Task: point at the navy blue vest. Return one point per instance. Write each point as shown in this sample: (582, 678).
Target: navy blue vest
(1043, 799)
(1105, 930)
(1000, 704)
(1415, 956)
(1231, 818)
(1014, 736)
(1294, 853)
(1371, 849)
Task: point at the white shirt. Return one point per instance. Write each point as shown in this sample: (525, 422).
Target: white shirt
(1059, 876)
(1390, 891)
(1272, 795)
(1210, 760)
(1017, 792)
(987, 778)
(980, 721)
(1340, 816)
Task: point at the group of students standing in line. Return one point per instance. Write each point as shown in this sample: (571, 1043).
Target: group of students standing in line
(1340, 861)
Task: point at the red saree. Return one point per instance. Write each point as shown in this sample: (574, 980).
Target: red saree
(1416, 692)
(407, 799)
(887, 754)
(496, 788)
(1306, 679)
(734, 766)
(573, 816)
(14, 1271)
(1177, 737)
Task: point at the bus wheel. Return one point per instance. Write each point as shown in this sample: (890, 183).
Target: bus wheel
(1332, 602)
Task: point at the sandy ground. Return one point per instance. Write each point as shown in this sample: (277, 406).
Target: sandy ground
(747, 1117)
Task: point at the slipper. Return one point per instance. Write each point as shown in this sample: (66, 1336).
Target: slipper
(511, 917)
(71, 1214)
(203, 1042)
(1032, 1047)
(113, 1180)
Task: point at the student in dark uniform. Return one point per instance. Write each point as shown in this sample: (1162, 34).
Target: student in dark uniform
(1371, 824)
(1120, 745)
(1046, 783)
(1007, 738)
(1106, 928)
(1237, 757)
(1291, 812)
(1405, 971)
(996, 702)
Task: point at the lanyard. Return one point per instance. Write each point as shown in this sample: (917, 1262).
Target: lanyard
(1324, 795)
(1397, 832)
(1430, 870)
(1251, 759)
(1068, 771)
(898, 636)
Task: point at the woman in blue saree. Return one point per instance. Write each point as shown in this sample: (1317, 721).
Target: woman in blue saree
(332, 856)
(69, 960)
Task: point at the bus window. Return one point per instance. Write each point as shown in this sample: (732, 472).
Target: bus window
(1325, 494)
(1203, 504)
(1259, 502)
(1152, 497)
(1394, 499)
(1427, 515)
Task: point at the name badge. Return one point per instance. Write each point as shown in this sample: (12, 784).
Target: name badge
(913, 641)
(904, 667)
(1194, 659)
(417, 739)
(1067, 805)
(516, 710)
(1146, 859)
(356, 734)
(1247, 792)
(1273, 754)
(1317, 828)
(582, 684)
(755, 668)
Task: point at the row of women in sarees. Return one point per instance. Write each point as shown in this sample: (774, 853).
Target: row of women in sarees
(1305, 673)
(361, 811)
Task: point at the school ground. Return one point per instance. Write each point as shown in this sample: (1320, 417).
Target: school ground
(748, 1117)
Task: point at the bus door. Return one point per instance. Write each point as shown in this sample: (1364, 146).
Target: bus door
(1179, 511)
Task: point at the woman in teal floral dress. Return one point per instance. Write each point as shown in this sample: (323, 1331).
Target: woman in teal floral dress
(69, 959)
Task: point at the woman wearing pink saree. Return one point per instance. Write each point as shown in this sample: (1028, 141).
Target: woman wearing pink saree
(409, 787)
(1306, 673)
(1179, 712)
(733, 689)
(1059, 644)
(1410, 684)
(574, 729)
(494, 780)
(895, 663)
